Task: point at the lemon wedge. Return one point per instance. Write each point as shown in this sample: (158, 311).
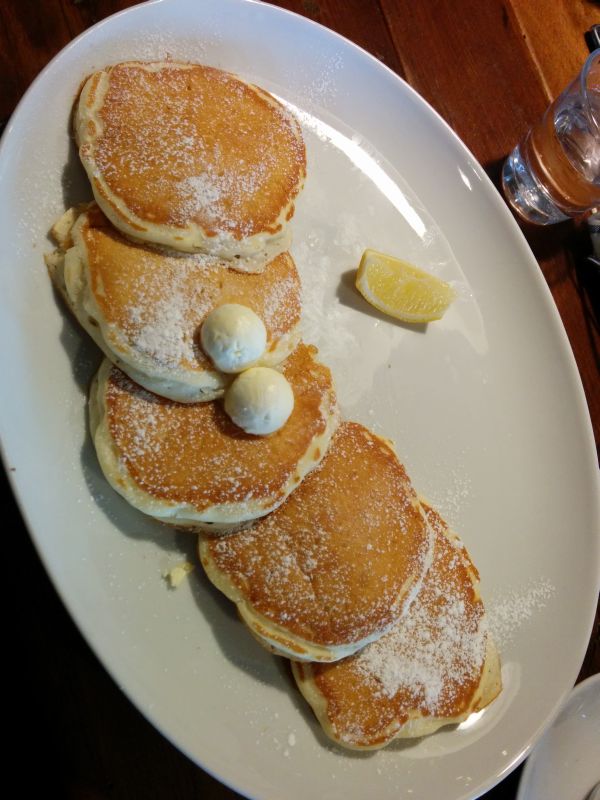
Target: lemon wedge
(401, 290)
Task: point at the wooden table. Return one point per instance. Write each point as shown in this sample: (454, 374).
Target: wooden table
(489, 67)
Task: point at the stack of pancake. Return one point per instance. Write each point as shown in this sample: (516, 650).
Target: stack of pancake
(315, 531)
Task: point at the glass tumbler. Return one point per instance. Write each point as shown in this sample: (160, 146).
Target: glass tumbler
(554, 172)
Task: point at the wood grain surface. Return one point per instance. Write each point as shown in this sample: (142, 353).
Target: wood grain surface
(489, 67)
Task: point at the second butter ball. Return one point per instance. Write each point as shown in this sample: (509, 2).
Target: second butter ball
(259, 401)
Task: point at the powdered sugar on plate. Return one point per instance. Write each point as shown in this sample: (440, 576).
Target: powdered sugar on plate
(511, 609)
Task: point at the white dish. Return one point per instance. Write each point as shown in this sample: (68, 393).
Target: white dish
(565, 763)
(486, 409)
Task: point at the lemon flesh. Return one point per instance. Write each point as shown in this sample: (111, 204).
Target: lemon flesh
(401, 290)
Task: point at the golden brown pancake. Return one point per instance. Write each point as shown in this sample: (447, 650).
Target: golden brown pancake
(190, 466)
(434, 668)
(192, 158)
(338, 563)
(144, 307)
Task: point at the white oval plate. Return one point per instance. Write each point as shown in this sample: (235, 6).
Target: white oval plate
(565, 763)
(486, 409)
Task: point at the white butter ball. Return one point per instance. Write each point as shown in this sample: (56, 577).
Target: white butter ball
(233, 337)
(259, 400)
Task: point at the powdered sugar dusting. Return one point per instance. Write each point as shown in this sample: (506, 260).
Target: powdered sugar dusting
(422, 659)
(438, 647)
(208, 195)
(282, 304)
(154, 43)
(319, 76)
(161, 329)
(323, 320)
(201, 191)
(513, 608)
